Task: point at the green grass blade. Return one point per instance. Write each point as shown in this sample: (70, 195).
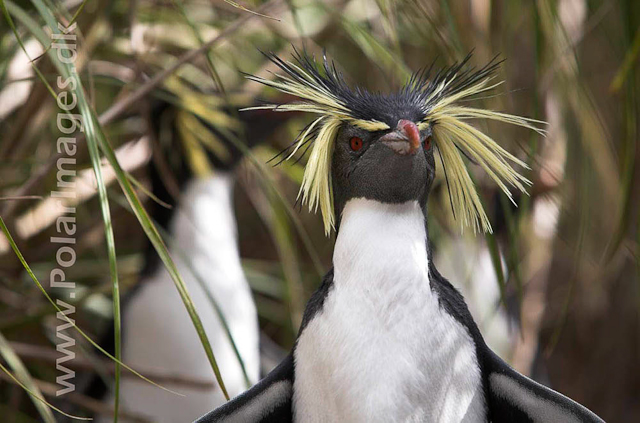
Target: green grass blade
(38, 397)
(451, 22)
(111, 251)
(218, 310)
(212, 69)
(578, 255)
(377, 52)
(33, 277)
(629, 145)
(638, 261)
(244, 9)
(630, 60)
(7, 16)
(90, 130)
(153, 235)
(78, 11)
(26, 382)
(513, 262)
(269, 184)
(200, 280)
(496, 261)
(148, 193)
(275, 218)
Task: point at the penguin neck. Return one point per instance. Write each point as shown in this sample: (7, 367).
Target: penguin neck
(380, 304)
(381, 242)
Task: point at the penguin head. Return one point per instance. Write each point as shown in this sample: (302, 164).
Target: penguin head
(382, 146)
(391, 166)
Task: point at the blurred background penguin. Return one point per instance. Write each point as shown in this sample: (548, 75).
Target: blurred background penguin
(192, 174)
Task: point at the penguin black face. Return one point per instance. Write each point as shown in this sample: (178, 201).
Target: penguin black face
(392, 166)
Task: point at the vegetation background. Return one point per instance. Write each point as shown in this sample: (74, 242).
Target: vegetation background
(569, 282)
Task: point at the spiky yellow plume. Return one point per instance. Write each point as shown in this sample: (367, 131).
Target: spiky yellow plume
(317, 97)
(325, 93)
(451, 133)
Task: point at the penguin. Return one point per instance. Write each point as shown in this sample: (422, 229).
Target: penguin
(157, 332)
(387, 338)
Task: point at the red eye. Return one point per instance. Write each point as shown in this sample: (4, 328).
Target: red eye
(427, 143)
(355, 143)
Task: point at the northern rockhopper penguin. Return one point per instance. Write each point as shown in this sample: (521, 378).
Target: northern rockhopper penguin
(386, 338)
(158, 334)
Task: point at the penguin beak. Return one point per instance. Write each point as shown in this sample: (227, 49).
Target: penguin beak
(405, 140)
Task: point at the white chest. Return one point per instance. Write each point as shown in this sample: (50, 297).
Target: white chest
(382, 349)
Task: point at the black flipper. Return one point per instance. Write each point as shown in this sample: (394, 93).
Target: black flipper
(268, 401)
(513, 397)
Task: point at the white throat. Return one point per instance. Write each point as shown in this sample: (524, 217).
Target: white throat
(382, 348)
(387, 239)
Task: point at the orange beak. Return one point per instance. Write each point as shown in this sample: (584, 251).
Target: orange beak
(405, 140)
(411, 131)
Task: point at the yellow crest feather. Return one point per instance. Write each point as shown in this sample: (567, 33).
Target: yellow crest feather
(326, 94)
(451, 131)
(316, 184)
